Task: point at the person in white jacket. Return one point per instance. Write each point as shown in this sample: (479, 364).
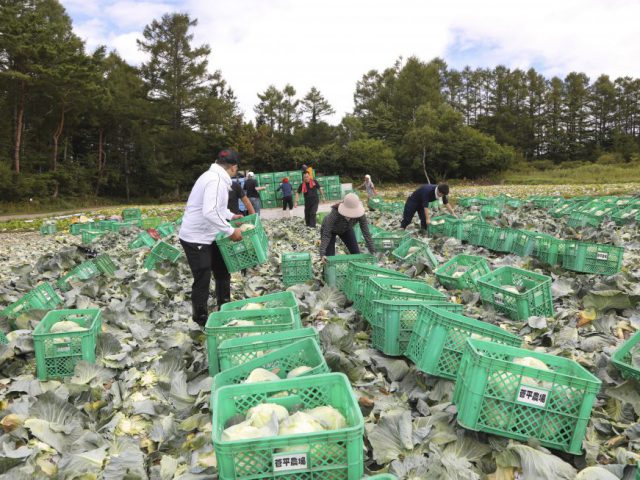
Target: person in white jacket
(205, 216)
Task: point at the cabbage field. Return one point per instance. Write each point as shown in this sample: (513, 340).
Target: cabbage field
(142, 410)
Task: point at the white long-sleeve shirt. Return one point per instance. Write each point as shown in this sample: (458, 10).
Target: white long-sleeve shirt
(206, 213)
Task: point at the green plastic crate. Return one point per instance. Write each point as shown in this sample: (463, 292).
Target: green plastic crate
(335, 270)
(381, 288)
(550, 250)
(295, 176)
(329, 454)
(592, 257)
(305, 352)
(166, 229)
(267, 320)
(495, 395)
(107, 225)
(372, 231)
(252, 250)
(502, 240)
(105, 265)
(392, 322)
(84, 271)
(271, 300)
(626, 215)
(579, 220)
(525, 242)
(142, 240)
(43, 297)
(357, 275)
(296, 268)
(472, 268)
(421, 252)
(437, 227)
(77, 228)
(382, 476)
(320, 216)
(621, 358)
(238, 351)
(159, 253)
(264, 179)
(374, 202)
(58, 353)
(533, 298)
(271, 203)
(3, 338)
(513, 203)
(439, 339)
(490, 211)
(546, 201)
(90, 236)
(385, 241)
(481, 234)
(131, 214)
(48, 228)
(178, 221)
(151, 222)
(278, 176)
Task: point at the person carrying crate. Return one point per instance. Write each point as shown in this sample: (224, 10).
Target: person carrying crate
(340, 222)
(419, 201)
(205, 216)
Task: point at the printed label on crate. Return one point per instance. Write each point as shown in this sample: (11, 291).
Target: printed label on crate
(602, 256)
(532, 396)
(387, 243)
(290, 461)
(498, 298)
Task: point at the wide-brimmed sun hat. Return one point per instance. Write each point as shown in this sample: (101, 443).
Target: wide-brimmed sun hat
(351, 206)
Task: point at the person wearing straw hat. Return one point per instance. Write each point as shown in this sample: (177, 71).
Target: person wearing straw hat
(339, 223)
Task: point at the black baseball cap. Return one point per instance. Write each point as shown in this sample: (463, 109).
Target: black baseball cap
(229, 155)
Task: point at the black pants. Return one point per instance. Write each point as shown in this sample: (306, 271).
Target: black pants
(203, 260)
(287, 201)
(349, 239)
(410, 209)
(310, 210)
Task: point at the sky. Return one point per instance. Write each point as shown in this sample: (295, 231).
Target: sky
(331, 44)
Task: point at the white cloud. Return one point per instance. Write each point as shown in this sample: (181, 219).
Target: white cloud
(330, 44)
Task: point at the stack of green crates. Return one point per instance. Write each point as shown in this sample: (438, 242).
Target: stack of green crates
(517, 293)
(252, 250)
(497, 392)
(221, 326)
(296, 268)
(58, 353)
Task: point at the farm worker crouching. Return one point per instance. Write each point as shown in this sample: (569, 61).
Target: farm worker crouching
(252, 188)
(340, 222)
(419, 201)
(287, 194)
(369, 186)
(309, 188)
(206, 215)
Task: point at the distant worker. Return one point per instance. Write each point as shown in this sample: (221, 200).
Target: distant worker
(369, 186)
(252, 188)
(287, 194)
(306, 169)
(419, 202)
(309, 188)
(237, 195)
(205, 216)
(340, 222)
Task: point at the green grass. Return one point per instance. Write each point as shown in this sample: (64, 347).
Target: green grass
(572, 173)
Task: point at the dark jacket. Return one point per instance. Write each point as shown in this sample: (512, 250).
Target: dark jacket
(287, 189)
(336, 224)
(426, 194)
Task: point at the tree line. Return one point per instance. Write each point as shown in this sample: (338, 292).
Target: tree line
(77, 123)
